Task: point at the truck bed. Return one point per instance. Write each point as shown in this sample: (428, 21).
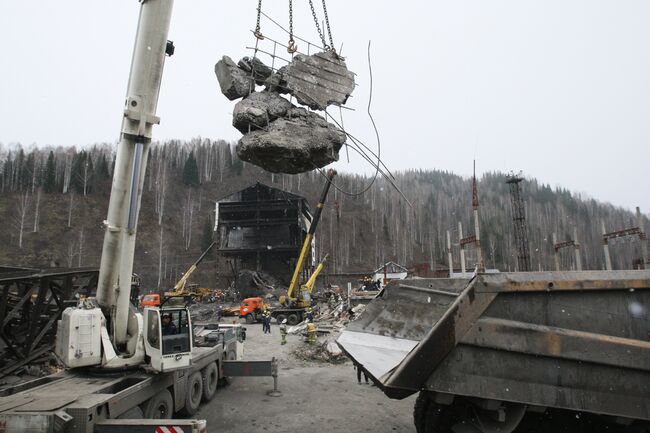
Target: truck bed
(572, 340)
(89, 396)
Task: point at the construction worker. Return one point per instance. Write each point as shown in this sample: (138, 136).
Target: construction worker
(266, 321)
(311, 329)
(283, 332)
(309, 314)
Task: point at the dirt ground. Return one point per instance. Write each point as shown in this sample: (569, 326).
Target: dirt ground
(315, 396)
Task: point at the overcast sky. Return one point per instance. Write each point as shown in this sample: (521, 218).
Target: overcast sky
(559, 89)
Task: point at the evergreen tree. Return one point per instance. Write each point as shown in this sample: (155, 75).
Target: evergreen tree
(191, 171)
(102, 169)
(49, 177)
(206, 236)
(385, 228)
(237, 165)
(6, 174)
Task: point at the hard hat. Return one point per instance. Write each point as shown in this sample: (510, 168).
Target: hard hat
(284, 321)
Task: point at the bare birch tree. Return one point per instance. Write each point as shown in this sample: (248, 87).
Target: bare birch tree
(22, 206)
(71, 206)
(37, 215)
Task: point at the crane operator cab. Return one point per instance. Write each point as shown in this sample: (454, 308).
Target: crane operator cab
(168, 338)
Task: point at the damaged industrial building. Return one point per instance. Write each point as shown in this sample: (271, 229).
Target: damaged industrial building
(260, 230)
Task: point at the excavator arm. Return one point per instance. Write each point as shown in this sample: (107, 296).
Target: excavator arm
(180, 285)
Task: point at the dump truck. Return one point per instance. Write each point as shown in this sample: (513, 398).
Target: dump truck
(529, 351)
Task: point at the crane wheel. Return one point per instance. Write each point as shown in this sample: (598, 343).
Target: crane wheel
(133, 413)
(160, 406)
(279, 318)
(210, 374)
(194, 393)
(293, 319)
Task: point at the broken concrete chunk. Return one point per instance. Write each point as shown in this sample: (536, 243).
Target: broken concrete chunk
(257, 110)
(234, 82)
(255, 67)
(317, 81)
(295, 143)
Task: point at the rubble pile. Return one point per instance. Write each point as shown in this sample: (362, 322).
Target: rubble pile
(279, 136)
(206, 312)
(326, 351)
(254, 283)
(330, 321)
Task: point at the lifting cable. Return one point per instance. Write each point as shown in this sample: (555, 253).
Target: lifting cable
(328, 29)
(258, 32)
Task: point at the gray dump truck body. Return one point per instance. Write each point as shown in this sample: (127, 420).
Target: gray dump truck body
(570, 340)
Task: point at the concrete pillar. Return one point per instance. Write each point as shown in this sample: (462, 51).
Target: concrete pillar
(608, 260)
(462, 247)
(576, 246)
(479, 251)
(451, 263)
(556, 253)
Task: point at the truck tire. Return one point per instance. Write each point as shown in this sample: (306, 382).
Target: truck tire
(210, 374)
(250, 319)
(193, 394)
(420, 411)
(133, 413)
(293, 319)
(279, 318)
(160, 406)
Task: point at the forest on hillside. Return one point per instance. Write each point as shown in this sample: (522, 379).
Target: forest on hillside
(53, 202)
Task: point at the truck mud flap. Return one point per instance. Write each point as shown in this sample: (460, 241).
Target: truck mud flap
(389, 340)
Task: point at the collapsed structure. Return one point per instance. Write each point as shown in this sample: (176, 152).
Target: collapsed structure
(279, 136)
(262, 228)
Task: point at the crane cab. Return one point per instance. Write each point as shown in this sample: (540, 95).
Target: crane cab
(168, 338)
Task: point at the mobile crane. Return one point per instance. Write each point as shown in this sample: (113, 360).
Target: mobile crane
(298, 298)
(121, 363)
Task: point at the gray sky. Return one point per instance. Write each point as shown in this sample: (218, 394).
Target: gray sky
(558, 89)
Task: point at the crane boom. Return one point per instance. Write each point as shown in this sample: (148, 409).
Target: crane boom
(300, 264)
(139, 116)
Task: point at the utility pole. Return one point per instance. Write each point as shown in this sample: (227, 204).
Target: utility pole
(462, 247)
(519, 221)
(476, 237)
(449, 255)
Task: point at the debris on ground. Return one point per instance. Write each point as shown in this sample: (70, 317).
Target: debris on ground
(251, 283)
(322, 352)
(206, 312)
(279, 136)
